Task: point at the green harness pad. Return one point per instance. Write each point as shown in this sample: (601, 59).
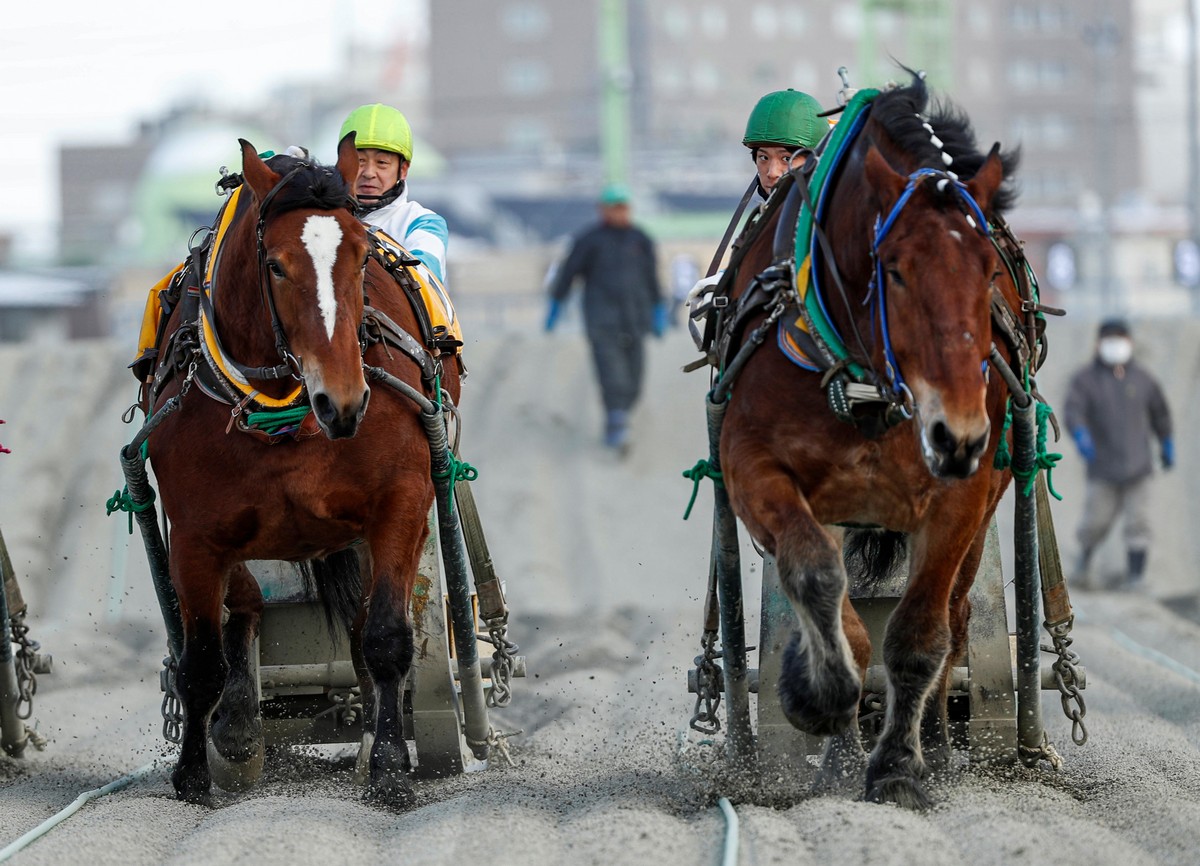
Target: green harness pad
(811, 319)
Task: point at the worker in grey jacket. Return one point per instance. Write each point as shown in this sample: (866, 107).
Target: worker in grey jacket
(622, 303)
(1114, 407)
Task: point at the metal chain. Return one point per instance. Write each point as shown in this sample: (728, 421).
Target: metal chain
(1067, 679)
(24, 660)
(172, 709)
(708, 691)
(503, 661)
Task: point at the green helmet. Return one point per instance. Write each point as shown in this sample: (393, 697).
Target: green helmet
(381, 127)
(785, 117)
(614, 194)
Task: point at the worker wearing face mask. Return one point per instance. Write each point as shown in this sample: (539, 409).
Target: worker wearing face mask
(1114, 410)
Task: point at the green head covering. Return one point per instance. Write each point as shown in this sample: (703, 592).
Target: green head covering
(785, 117)
(614, 194)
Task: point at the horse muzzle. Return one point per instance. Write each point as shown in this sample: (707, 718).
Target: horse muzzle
(340, 419)
(952, 451)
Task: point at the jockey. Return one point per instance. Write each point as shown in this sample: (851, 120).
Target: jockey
(385, 150)
(781, 123)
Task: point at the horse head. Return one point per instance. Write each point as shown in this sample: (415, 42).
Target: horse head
(312, 253)
(935, 266)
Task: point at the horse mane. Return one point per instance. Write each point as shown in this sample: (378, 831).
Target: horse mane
(901, 112)
(314, 185)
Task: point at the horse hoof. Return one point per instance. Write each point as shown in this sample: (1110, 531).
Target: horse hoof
(392, 793)
(822, 701)
(192, 786)
(235, 775)
(904, 791)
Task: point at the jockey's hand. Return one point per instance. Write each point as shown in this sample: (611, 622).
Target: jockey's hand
(1083, 441)
(1168, 453)
(660, 319)
(552, 314)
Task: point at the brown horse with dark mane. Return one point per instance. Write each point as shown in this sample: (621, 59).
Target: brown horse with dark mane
(282, 326)
(910, 275)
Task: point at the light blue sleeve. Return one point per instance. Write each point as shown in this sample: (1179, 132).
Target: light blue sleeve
(426, 239)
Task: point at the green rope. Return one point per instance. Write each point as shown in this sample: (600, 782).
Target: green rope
(122, 501)
(456, 470)
(1003, 458)
(272, 421)
(703, 469)
(1042, 459)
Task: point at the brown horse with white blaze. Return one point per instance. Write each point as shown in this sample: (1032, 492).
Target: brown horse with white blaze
(287, 293)
(907, 219)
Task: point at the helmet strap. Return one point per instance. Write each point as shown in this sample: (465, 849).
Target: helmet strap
(368, 203)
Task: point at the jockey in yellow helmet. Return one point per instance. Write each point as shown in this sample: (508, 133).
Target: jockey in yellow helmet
(385, 151)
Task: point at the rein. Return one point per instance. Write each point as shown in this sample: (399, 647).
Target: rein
(290, 365)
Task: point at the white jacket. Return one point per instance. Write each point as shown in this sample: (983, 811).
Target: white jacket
(418, 229)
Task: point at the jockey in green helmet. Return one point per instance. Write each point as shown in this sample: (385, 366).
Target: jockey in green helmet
(385, 151)
(781, 123)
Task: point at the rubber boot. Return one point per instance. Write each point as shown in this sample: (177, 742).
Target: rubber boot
(1136, 565)
(1082, 577)
(616, 429)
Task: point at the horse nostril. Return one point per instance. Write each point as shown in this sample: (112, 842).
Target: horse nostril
(322, 405)
(941, 437)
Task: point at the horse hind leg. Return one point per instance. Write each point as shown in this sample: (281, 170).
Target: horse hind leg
(844, 760)
(236, 748)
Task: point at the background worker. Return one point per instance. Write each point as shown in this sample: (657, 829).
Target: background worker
(622, 303)
(1114, 408)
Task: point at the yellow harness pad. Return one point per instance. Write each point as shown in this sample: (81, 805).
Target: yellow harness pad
(150, 318)
(434, 296)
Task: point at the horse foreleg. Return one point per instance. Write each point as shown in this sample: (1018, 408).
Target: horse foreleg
(916, 648)
(388, 653)
(236, 730)
(820, 681)
(200, 585)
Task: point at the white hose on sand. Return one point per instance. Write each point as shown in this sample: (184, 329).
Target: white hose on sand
(53, 821)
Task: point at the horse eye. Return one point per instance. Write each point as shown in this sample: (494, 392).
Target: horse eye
(275, 269)
(895, 277)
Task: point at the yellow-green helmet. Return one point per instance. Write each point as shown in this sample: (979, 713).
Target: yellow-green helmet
(785, 117)
(381, 127)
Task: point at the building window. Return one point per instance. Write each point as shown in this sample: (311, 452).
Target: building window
(525, 22)
(713, 22)
(526, 78)
(527, 134)
(705, 78)
(677, 23)
(793, 21)
(765, 21)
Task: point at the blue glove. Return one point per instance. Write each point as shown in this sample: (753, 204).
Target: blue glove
(660, 318)
(1168, 453)
(1083, 441)
(552, 314)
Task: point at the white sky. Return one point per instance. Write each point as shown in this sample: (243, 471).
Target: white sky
(74, 72)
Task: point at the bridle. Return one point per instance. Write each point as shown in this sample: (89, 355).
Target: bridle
(877, 291)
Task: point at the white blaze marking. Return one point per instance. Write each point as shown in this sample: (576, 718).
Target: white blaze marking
(321, 237)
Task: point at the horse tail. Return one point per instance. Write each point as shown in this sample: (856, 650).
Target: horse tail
(873, 556)
(336, 581)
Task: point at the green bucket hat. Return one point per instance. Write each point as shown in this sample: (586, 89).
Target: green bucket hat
(614, 194)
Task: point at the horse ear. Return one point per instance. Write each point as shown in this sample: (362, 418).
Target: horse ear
(986, 182)
(347, 162)
(885, 182)
(257, 174)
